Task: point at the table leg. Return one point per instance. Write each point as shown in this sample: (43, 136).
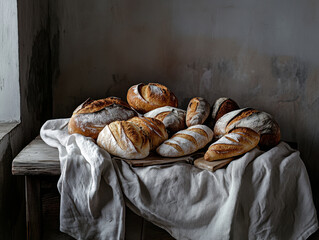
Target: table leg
(33, 207)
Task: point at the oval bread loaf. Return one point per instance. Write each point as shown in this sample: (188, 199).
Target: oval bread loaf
(222, 106)
(238, 142)
(92, 116)
(197, 111)
(144, 98)
(221, 124)
(154, 129)
(124, 139)
(261, 122)
(186, 141)
(173, 118)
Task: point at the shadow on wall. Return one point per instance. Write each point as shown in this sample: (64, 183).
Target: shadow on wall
(258, 53)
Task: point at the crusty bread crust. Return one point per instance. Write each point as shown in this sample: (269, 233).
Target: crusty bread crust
(173, 118)
(197, 111)
(186, 141)
(238, 142)
(144, 98)
(124, 139)
(154, 129)
(222, 106)
(91, 106)
(91, 116)
(222, 123)
(261, 122)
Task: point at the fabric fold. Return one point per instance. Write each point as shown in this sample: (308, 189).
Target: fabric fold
(92, 204)
(262, 195)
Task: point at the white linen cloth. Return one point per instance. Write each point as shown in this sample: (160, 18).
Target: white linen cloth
(262, 195)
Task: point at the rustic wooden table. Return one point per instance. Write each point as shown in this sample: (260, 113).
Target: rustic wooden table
(40, 165)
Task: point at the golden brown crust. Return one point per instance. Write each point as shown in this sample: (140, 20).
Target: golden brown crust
(145, 98)
(176, 146)
(92, 116)
(162, 115)
(91, 106)
(242, 115)
(124, 139)
(116, 130)
(199, 131)
(186, 142)
(173, 118)
(269, 131)
(186, 136)
(226, 107)
(193, 104)
(135, 134)
(92, 132)
(235, 143)
(197, 111)
(154, 129)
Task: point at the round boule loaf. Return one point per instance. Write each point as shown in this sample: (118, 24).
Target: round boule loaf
(124, 139)
(222, 106)
(92, 116)
(154, 128)
(144, 98)
(261, 122)
(173, 118)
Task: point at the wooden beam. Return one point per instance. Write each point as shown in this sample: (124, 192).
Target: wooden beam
(37, 158)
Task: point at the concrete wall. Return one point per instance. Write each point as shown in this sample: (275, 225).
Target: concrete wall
(9, 62)
(36, 106)
(263, 54)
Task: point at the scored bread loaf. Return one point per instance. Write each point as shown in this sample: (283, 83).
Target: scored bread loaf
(154, 129)
(197, 111)
(235, 143)
(173, 118)
(124, 139)
(186, 141)
(222, 106)
(91, 116)
(144, 98)
(261, 122)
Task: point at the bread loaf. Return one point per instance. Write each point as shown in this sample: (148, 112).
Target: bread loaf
(124, 139)
(173, 118)
(222, 106)
(238, 142)
(144, 98)
(91, 116)
(186, 141)
(154, 129)
(197, 111)
(261, 122)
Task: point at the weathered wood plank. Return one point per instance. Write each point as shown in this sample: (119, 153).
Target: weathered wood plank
(213, 165)
(37, 158)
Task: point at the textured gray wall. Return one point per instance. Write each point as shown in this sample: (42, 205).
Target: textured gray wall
(263, 54)
(35, 63)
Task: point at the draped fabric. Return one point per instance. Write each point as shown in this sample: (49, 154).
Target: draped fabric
(262, 195)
